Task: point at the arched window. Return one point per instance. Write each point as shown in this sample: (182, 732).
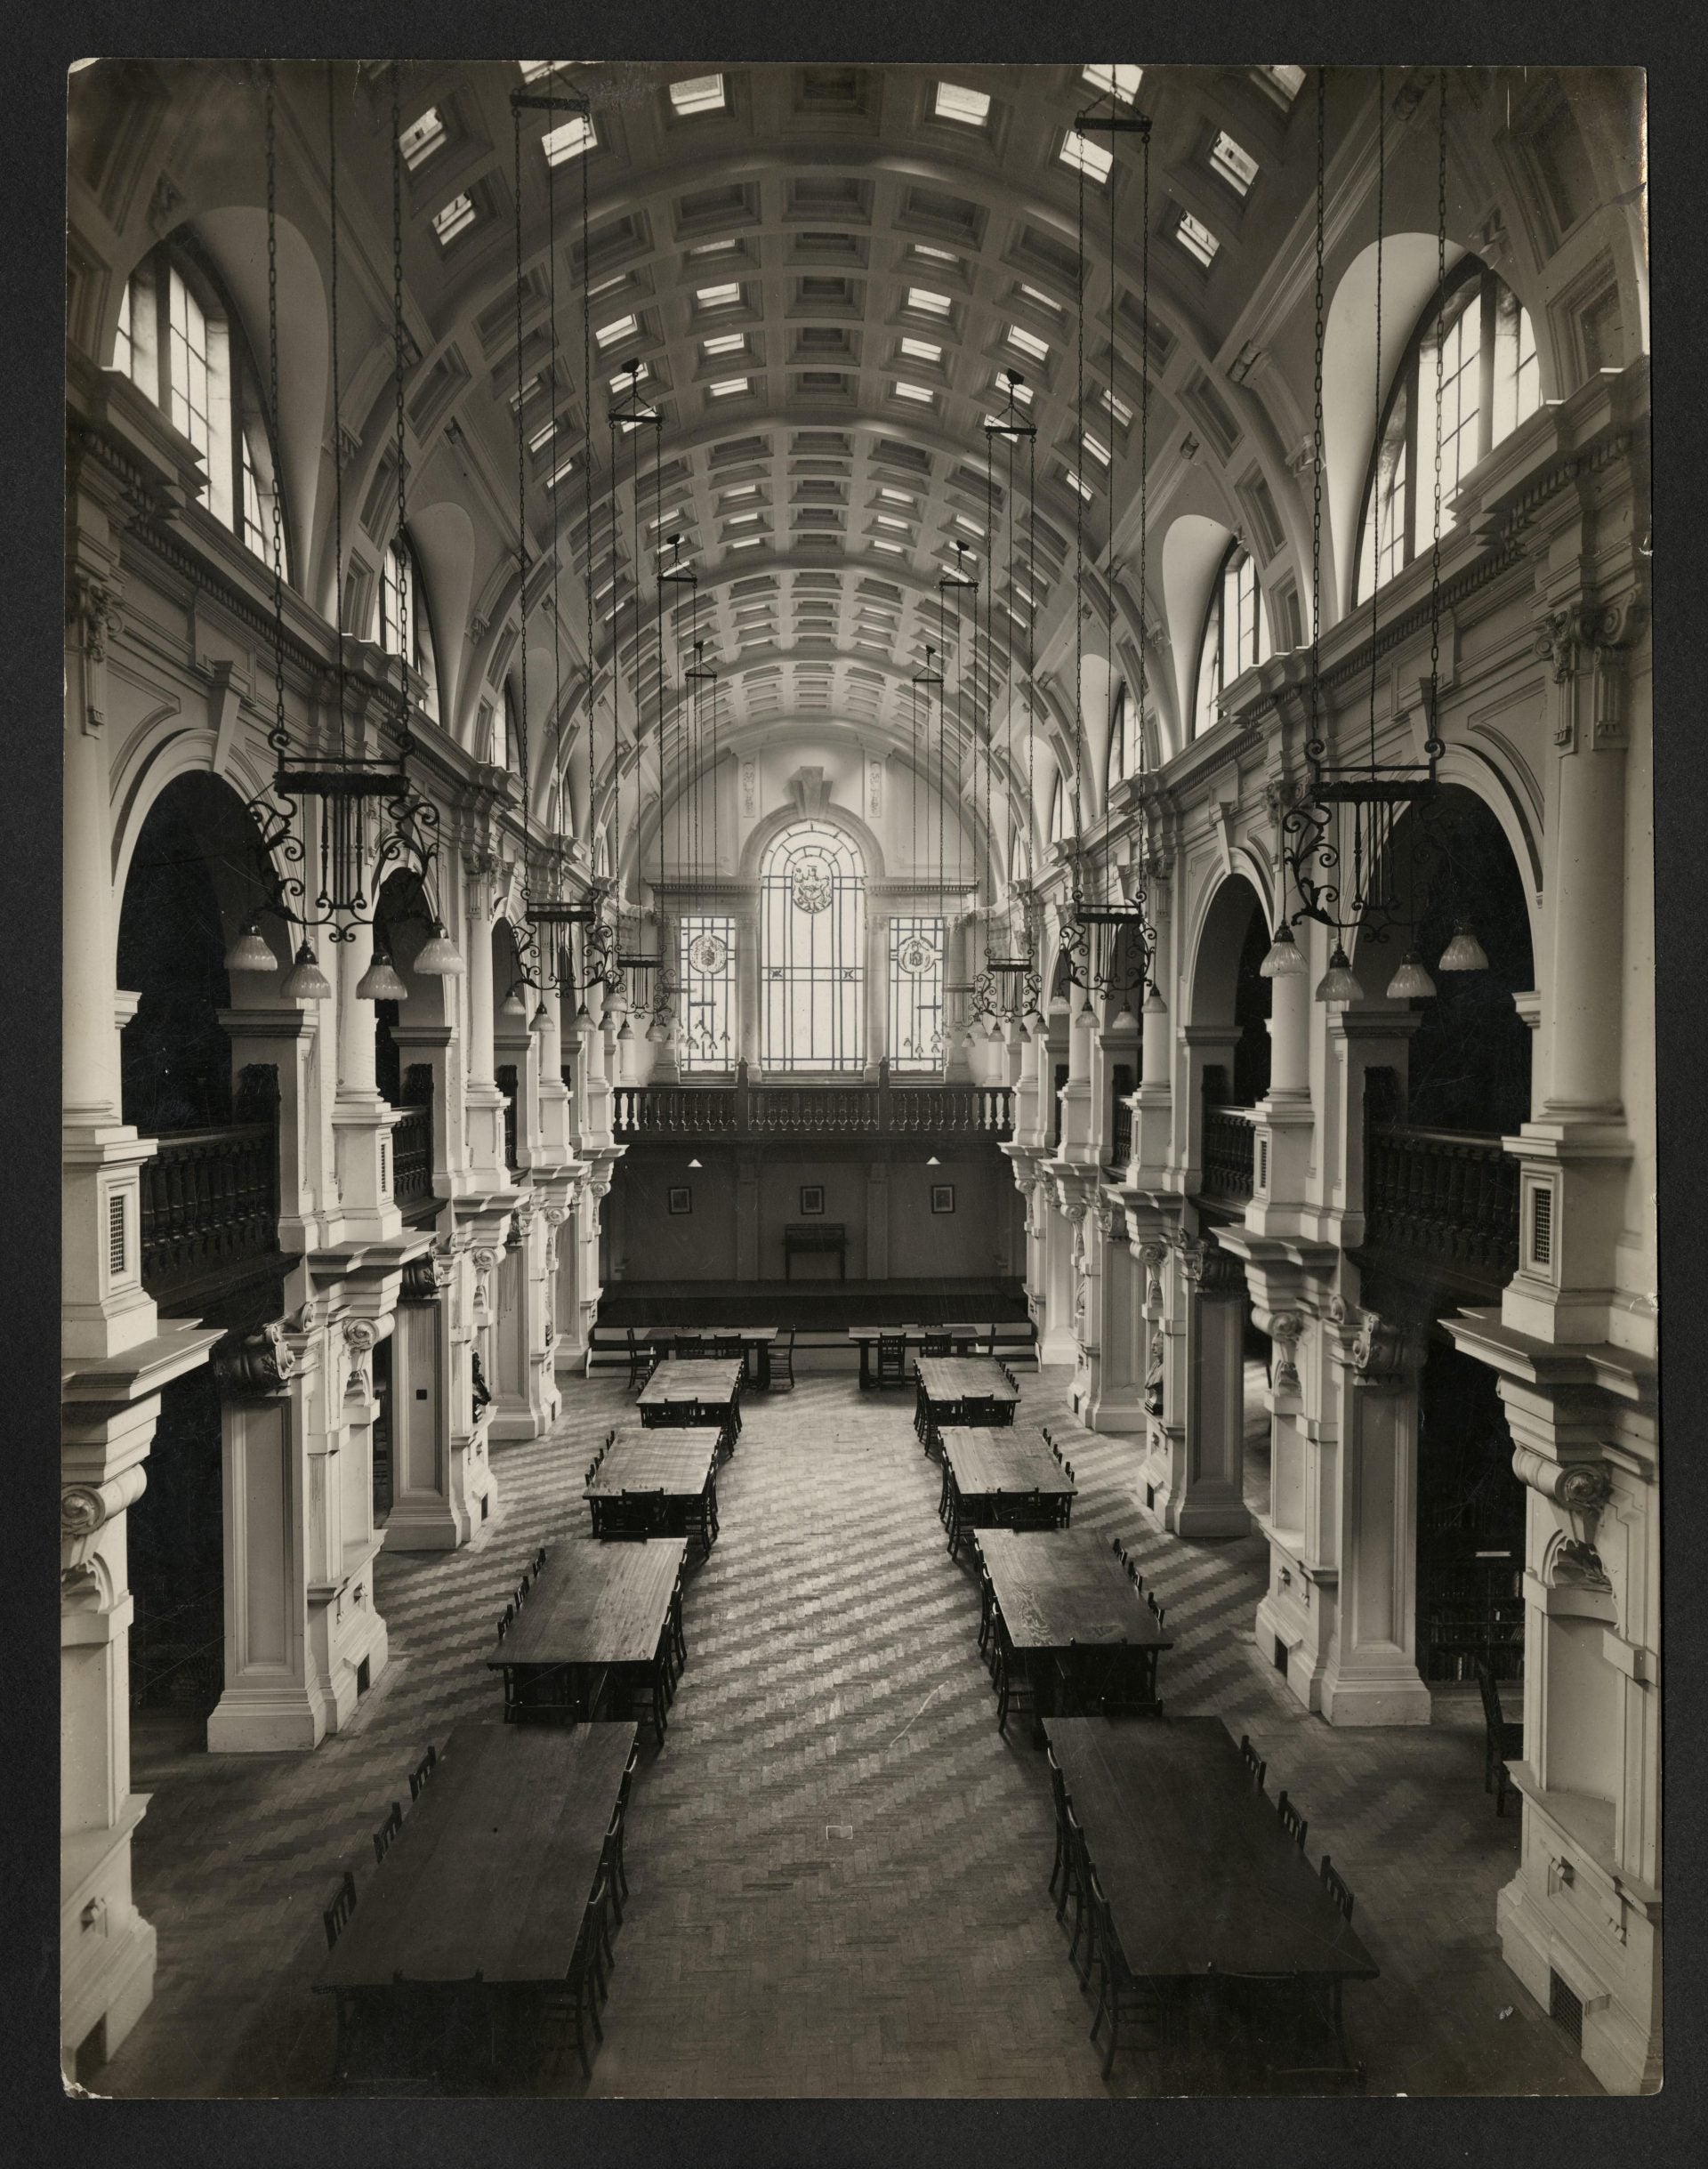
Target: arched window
(1236, 635)
(400, 614)
(1062, 810)
(812, 977)
(181, 342)
(1123, 740)
(1491, 381)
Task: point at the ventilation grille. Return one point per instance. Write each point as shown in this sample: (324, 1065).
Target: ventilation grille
(1541, 1227)
(1262, 1163)
(1566, 2010)
(385, 1166)
(117, 1236)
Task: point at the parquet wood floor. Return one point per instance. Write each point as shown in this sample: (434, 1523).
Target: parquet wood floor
(837, 1864)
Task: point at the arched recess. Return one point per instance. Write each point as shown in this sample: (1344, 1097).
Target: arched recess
(1193, 550)
(1228, 990)
(1350, 399)
(235, 238)
(1468, 1065)
(402, 914)
(442, 542)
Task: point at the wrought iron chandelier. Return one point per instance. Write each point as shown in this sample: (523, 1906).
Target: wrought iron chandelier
(1338, 841)
(372, 820)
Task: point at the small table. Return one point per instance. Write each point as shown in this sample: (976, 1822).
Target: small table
(756, 1343)
(659, 1483)
(1200, 1876)
(961, 1389)
(1067, 1607)
(1001, 1479)
(801, 1238)
(475, 1911)
(707, 1390)
(595, 1610)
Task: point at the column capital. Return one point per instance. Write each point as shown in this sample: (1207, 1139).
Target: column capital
(1380, 1351)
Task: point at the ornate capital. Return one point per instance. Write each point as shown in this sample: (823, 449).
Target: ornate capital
(90, 612)
(258, 1364)
(1284, 1329)
(1384, 1351)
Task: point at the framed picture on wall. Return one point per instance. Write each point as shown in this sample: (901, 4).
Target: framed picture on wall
(942, 1197)
(812, 1197)
(681, 1197)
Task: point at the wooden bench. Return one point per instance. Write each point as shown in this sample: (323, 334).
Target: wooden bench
(802, 1238)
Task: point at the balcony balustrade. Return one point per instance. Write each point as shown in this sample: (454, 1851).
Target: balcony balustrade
(412, 1156)
(1230, 1153)
(744, 1110)
(210, 1206)
(1444, 1198)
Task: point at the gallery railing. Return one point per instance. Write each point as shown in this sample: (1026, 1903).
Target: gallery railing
(1447, 1197)
(745, 1110)
(1230, 1151)
(412, 1155)
(210, 1205)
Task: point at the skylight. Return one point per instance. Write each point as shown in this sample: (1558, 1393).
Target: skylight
(455, 218)
(735, 496)
(1043, 300)
(928, 302)
(1088, 155)
(713, 248)
(1028, 343)
(1284, 85)
(575, 136)
(724, 297)
(1196, 239)
(729, 387)
(625, 377)
(1237, 167)
(922, 349)
(1115, 79)
(952, 103)
(747, 542)
(608, 286)
(563, 467)
(1022, 391)
(933, 256)
(532, 70)
(1099, 451)
(744, 520)
(541, 438)
(728, 342)
(422, 138)
(1083, 487)
(889, 519)
(917, 392)
(1115, 405)
(699, 95)
(621, 327)
(892, 549)
(896, 496)
(971, 526)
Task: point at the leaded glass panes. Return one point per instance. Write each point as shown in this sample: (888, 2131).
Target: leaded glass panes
(916, 993)
(812, 965)
(706, 978)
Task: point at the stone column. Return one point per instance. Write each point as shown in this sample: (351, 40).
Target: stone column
(1078, 1119)
(361, 1121)
(435, 1507)
(1115, 1402)
(1204, 1494)
(1371, 1677)
(483, 1102)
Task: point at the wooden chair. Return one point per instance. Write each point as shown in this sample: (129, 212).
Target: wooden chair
(1120, 1991)
(689, 1348)
(585, 1984)
(641, 1355)
(1254, 1763)
(1160, 1610)
(936, 1343)
(388, 1830)
(986, 1614)
(539, 1556)
(1334, 1884)
(892, 1360)
(783, 1359)
(503, 1624)
(1015, 1689)
(727, 1345)
(1060, 1802)
(1502, 1740)
(422, 1770)
(1083, 1921)
(609, 1865)
(336, 1915)
(1291, 1820)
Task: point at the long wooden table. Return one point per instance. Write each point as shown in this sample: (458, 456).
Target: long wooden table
(1001, 1479)
(961, 1389)
(1067, 1607)
(756, 1343)
(695, 1393)
(489, 1876)
(596, 1612)
(658, 1483)
(1201, 1879)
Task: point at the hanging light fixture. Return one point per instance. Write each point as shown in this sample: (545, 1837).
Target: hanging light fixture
(1113, 944)
(1286, 958)
(250, 951)
(512, 1004)
(1338, 984)
(1411, 982)
(380, 982)
(439, 956)
(1465, 952)
(305, 981)
(371, 817)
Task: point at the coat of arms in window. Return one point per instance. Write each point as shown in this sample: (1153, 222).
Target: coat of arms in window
(916, 955)
(706, 953)
(812, 886)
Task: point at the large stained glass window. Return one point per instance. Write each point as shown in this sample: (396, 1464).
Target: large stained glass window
(812, 960)
(915, 994)
(706, 978)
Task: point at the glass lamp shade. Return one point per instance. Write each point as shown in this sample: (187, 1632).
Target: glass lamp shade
(250, 951)
(439, 957)
(380, 982)
(1411, 982)
(512, 1004)
(625, 1030)
(1465, 952)
(1285, 957)
(1154, 1005)
(305, 981)
(1337, 984)
(540, 1020)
